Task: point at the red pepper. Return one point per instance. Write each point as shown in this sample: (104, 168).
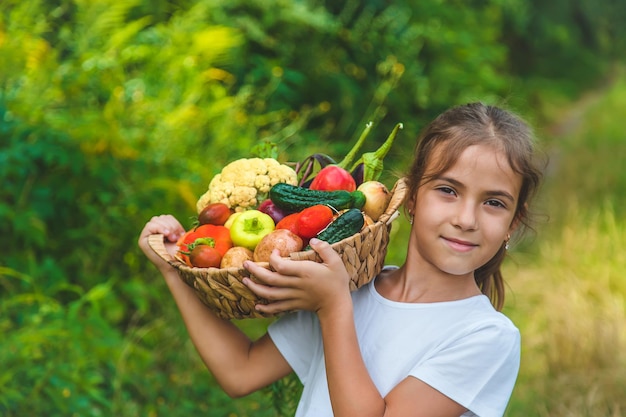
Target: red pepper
(314, 219)
(182, 244)
(216, 236)
(221, 235)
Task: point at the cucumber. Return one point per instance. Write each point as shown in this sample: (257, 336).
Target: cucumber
(293, 198)
(345, 225)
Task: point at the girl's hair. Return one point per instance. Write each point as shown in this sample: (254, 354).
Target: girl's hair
(473, 124)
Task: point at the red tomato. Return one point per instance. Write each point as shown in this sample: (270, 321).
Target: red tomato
(214, 213)
(331, 178)
(313, 219)
(214, 236)
(205, 256)
(289, 222)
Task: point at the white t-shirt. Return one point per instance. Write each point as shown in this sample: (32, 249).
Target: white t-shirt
(465, 349)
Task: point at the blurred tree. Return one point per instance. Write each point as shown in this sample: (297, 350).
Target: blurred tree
(114, 110)
(364, 61)
(569, 41)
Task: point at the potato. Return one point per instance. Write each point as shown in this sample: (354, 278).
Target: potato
(235, 256)
(282, 239)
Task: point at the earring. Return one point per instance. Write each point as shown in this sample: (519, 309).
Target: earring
(410, 218)
(506, 242)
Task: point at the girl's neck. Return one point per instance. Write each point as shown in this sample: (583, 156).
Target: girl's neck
(410, 285)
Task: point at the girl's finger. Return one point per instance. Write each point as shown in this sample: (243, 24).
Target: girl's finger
(329, 256)
(266, 276)
(167, 225)
(278, 299)
(290, 267)
(269, 292)
(277, 307)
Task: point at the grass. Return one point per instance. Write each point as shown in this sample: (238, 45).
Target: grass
(567, 288)
(569, 301)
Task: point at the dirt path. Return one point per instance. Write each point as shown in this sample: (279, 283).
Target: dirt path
(572, 117)
(565, 126)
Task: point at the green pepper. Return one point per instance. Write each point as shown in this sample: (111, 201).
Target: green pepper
(250, 227)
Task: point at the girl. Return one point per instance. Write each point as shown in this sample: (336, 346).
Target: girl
(419, 340)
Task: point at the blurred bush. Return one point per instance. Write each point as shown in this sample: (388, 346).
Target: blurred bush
(113, 111)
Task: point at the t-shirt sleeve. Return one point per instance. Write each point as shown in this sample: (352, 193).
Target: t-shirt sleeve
(297, 337)
(477, 370)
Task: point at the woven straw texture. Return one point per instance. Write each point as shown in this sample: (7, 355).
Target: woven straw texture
(222, 290)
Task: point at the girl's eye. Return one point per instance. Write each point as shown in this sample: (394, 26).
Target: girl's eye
(446, 190)
(495, 203)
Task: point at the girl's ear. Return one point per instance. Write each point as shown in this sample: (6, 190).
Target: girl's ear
(409, 205)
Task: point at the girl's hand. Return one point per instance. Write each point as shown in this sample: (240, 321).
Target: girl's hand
(301, 285)
(170, 228)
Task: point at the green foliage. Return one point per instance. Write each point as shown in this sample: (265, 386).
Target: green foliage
(113, 111)
(359, 56)
(285, 395)
(565, 42)
(71, 359)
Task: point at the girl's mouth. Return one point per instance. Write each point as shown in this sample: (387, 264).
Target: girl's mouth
(459, 245)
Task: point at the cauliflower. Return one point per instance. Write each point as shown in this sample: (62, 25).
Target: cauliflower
(244, 183)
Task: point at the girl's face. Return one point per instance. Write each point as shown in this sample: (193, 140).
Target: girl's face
(463, 216)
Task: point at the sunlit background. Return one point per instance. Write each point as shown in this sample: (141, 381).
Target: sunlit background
(112, 111)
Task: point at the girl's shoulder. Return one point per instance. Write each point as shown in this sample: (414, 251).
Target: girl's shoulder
(475, 309)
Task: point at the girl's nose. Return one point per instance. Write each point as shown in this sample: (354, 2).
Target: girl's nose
(466, 218)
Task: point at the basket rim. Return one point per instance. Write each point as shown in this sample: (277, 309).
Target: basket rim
(157, 243)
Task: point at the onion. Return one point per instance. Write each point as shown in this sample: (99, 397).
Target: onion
(377, 198)
(269, 208)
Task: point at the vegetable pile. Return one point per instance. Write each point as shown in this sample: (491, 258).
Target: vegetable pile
(257, 205)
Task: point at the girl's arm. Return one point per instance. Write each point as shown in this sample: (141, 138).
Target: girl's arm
(239, 365)
(323, 288)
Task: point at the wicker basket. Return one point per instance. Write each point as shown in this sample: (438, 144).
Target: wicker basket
(222, 289)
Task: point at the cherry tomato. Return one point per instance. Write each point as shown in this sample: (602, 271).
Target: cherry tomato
(214, 236)
(205, 256)
(214, 213)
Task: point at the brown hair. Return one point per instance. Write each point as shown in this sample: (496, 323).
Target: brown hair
(473, 124)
